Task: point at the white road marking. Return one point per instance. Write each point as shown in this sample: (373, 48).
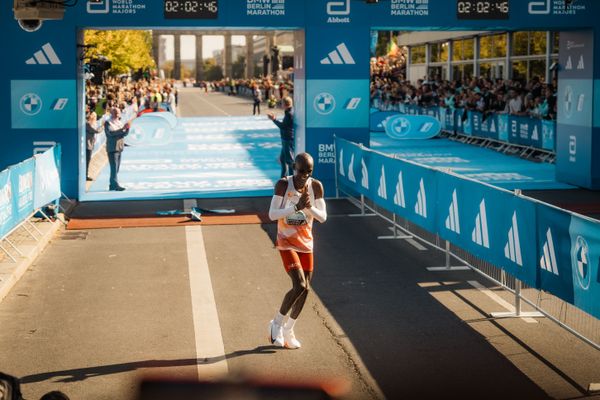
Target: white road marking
(503, 303)
(213, 106)
(207, 330)
(416, 244)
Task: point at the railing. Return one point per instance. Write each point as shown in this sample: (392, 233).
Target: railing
(546, 256)
(24, 189)
(522, 131)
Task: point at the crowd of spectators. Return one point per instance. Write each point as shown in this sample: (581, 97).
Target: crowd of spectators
(273, 90)
(389, 89)
(131, 97)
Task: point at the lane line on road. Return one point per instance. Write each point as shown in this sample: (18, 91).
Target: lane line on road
(503, 303)
(416, 244)
(210, 351)
(213, 106)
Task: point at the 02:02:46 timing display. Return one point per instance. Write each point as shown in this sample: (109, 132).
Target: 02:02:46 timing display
(191, 9)
(482, 9)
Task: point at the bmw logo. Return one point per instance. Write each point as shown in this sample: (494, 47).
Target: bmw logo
(569, 101)
(324, 103)
(30, 104)
(397, 126)
(581, 262)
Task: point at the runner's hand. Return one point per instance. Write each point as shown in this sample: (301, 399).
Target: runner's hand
(304, 201)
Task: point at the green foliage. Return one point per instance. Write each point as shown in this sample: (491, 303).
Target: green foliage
(238, 68)
(129, 50)
(212, 72)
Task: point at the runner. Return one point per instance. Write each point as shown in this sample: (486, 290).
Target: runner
(297, 201)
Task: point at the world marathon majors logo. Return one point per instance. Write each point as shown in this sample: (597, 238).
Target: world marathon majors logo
(555, 7)
(118, 6)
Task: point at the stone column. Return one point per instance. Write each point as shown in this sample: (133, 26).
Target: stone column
(249, 56)
(156, 47)
(227, 56)
(199, 59)
(177, 60)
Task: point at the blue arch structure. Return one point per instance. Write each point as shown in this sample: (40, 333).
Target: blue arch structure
(39, 101)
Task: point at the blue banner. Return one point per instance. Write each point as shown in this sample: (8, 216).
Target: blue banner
(585, 261)
(22, 178)
(554, 252)
(492, 224)
(503, 127)
(545, 247)
(549, 135)
(47, 177)
(7, 214)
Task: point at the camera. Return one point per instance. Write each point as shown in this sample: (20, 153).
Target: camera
(30, 25)
(30, 14)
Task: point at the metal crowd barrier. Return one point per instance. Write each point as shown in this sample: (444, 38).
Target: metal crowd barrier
(526, 290)
(25, 188)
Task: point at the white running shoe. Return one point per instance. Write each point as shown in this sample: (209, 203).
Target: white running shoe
(290, 339)
(276, 334)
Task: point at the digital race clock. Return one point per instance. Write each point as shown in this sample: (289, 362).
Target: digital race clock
(191, 9)
(482, 9)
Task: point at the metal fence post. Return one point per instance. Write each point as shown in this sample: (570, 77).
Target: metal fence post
(448, 265)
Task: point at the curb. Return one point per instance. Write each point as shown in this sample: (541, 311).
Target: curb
(11, 273)
(346, 345)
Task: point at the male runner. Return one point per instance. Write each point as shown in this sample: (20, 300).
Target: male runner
(298, 200)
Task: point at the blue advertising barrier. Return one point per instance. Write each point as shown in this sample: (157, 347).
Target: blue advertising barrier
(524, 131)
(47, 177)
(547, 248)
(7, 215)
(27, 186)
(22, 179)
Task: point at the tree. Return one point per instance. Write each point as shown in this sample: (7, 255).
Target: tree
(129, 50)
(238, 68)
(212, 72)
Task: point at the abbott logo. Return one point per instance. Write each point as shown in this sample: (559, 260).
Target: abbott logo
(338, 7)
(98, 6)
(539, 7)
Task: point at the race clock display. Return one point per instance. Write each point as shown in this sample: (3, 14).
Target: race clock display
(482, 9)
(191, 9)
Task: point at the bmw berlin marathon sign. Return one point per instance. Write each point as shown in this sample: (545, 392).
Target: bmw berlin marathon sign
(265, 7)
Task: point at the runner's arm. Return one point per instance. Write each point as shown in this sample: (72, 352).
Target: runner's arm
(319, 209)
(275, 212)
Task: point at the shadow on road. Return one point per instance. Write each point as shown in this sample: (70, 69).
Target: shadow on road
(81, 374)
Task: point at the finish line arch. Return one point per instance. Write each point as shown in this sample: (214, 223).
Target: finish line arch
(334, 35)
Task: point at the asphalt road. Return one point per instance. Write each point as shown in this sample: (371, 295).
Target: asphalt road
(100, 309)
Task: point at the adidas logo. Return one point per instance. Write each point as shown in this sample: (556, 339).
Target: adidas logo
(453, 222)
(342, 163)
(399, 196)
(45, 56)
(382, 191)
(581, 64)
(569, 64)
(512, 250)
(341, 55)
(365, 175)
(480, 233)
(421, 206)
(351, 176)
(548, 259)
